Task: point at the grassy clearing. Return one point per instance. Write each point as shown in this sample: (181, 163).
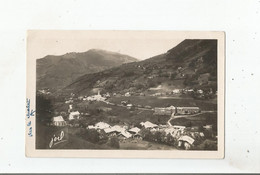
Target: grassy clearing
(133, 144)
(161, 102)
(45, 133)
(199, 120)
(122, 115)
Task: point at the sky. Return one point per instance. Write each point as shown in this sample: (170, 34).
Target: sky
(138, 44)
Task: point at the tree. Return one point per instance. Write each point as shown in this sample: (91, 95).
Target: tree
(151, 83)
(139, 86)
(44, 108)
(90, 135)
(169, 139)
(114, 142)
(157, 137)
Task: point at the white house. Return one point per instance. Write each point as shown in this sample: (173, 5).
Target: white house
(208, 127)
(91, 127)
(188, 141)
(109, 130)
(125, 134)
(134, 130)
(69, 101)
(188, 110)
(200, 91)
(190, 90)
(176, 91)
(129, 106)
(101, 125)
(127, 94)
(148, 124)
(118, 128)
(70, 108)
(74, 115)
(58, 121)
(97, 97)
(178, 127)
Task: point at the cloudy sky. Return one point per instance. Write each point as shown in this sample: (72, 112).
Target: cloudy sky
(139, 44)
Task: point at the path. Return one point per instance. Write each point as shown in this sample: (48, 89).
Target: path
(182, 116)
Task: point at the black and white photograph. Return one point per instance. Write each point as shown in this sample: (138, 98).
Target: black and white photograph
(126, 90)
(130, 86)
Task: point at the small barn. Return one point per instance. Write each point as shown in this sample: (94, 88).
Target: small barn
(176, 91)
(58, 121)
(130, 106)
(186, 142)
(148, 124)
(110, 131)
(102, 125)
(74, 115)
(127, 94)
(164, 111)
(125, 134)
(187, 110)
(134, 130)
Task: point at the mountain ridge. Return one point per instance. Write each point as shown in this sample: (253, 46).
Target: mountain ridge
(190, 64)
(58, 71)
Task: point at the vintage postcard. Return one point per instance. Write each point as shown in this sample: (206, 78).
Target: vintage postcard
(125, 94)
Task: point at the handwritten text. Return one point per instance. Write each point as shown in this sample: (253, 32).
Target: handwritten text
(57, 139)
(29, 114)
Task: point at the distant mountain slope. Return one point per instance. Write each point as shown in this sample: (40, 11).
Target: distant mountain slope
(59, 71)
(191, 64)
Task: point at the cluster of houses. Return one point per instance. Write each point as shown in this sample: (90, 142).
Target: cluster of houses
(128, 94)
(97, 97)
(179, 91)
(105, 96)
(177, 132)
(185, 139)
(116, 130)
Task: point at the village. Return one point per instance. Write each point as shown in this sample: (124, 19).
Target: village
(166, 132)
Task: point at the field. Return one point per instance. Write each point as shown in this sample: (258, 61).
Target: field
(198, 120)
(120, 114)
(209, 105)
(115, 113)
(133, 144)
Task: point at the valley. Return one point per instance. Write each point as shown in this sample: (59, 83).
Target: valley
(168, 101)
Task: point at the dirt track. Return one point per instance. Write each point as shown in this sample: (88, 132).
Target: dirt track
(183, 116)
